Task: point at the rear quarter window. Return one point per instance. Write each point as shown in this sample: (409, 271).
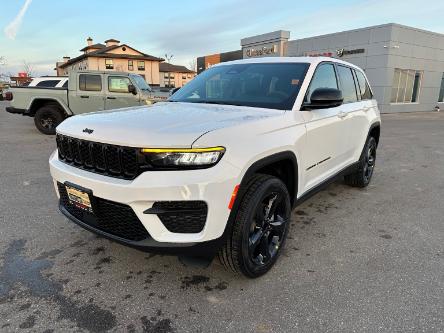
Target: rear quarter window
(364, 87)
(88, 82)
(48, 83)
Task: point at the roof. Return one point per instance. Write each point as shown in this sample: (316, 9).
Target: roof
(103, 53)
(306, 60)
(88, 71)
(166, 67)
(112, 40)
(94, 46)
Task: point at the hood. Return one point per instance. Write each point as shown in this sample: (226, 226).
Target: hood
(165, 124)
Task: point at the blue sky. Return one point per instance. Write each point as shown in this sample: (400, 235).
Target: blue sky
(51, 29)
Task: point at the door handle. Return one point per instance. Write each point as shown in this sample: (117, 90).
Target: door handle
(110, 98)
(84, 96)
(342, 114)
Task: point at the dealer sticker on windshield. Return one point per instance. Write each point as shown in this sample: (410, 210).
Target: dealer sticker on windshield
(79, 198)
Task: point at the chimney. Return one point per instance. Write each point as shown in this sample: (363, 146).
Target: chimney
(65, 59)
(112, 42)
(89, 41)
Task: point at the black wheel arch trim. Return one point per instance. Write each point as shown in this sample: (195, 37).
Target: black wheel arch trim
(376, 124)
(33, 109)
(271, 159)
(252, 169)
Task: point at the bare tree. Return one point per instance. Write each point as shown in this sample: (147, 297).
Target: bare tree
(193, 65)
(3, 76)
(28, 68)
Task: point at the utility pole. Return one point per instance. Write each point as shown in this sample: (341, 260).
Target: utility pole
(168, 59)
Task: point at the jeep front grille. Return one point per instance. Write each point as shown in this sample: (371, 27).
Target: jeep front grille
(111, 160)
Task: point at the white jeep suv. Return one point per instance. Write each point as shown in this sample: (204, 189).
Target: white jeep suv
(218, 168)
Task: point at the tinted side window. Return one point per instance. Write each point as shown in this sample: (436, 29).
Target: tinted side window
(347, 84)
(89, 82)
(364, 87)
(47, 83)
(324, 77)
(65, 85)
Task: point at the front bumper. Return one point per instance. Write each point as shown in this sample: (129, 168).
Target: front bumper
(205, 249)
(214, 186)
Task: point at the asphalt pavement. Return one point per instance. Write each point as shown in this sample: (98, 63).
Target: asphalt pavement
(357, 260)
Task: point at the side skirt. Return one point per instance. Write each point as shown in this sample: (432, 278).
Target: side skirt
(351, 168)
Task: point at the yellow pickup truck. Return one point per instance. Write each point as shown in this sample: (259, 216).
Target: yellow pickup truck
(87, 91)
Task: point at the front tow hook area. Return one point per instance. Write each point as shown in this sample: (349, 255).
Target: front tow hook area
(193, 261)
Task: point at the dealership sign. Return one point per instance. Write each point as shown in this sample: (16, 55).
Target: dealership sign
(343, 52)
(261, 51)
(318, 54)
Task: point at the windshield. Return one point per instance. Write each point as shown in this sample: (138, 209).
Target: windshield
(141, 83)
(264, 85)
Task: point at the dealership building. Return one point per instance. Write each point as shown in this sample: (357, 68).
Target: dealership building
(405, 65)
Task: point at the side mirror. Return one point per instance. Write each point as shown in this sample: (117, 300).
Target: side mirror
(323, 98)
(173, 91)
(132, 89)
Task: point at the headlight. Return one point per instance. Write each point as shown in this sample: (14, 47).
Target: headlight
(190, 158)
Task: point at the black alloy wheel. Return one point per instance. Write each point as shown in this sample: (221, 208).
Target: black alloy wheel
(259, 227)
(365, 167)
(47, 118)
(370, 159)
(48, 121)
(267, 229)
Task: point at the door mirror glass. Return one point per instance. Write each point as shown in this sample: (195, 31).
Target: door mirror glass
(323, 98)
(174, 90)
(132, 89)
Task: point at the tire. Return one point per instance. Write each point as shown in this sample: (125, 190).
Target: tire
(259, 229)
(47, 118)
(366, 165)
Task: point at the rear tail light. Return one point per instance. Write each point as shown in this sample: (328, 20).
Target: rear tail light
(8, 96)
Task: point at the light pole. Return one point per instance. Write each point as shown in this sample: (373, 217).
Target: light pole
(168, 59)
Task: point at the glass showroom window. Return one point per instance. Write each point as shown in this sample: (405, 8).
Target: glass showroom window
(441, 90)
(109, 64)
(406, 85)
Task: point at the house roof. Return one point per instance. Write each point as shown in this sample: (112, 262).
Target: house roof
(94, 46)
(104, 53)
(112, 40)
(166, 67)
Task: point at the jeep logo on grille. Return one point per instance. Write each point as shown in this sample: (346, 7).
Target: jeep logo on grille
(87, 130)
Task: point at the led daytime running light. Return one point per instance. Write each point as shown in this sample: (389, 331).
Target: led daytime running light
(182, 150)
